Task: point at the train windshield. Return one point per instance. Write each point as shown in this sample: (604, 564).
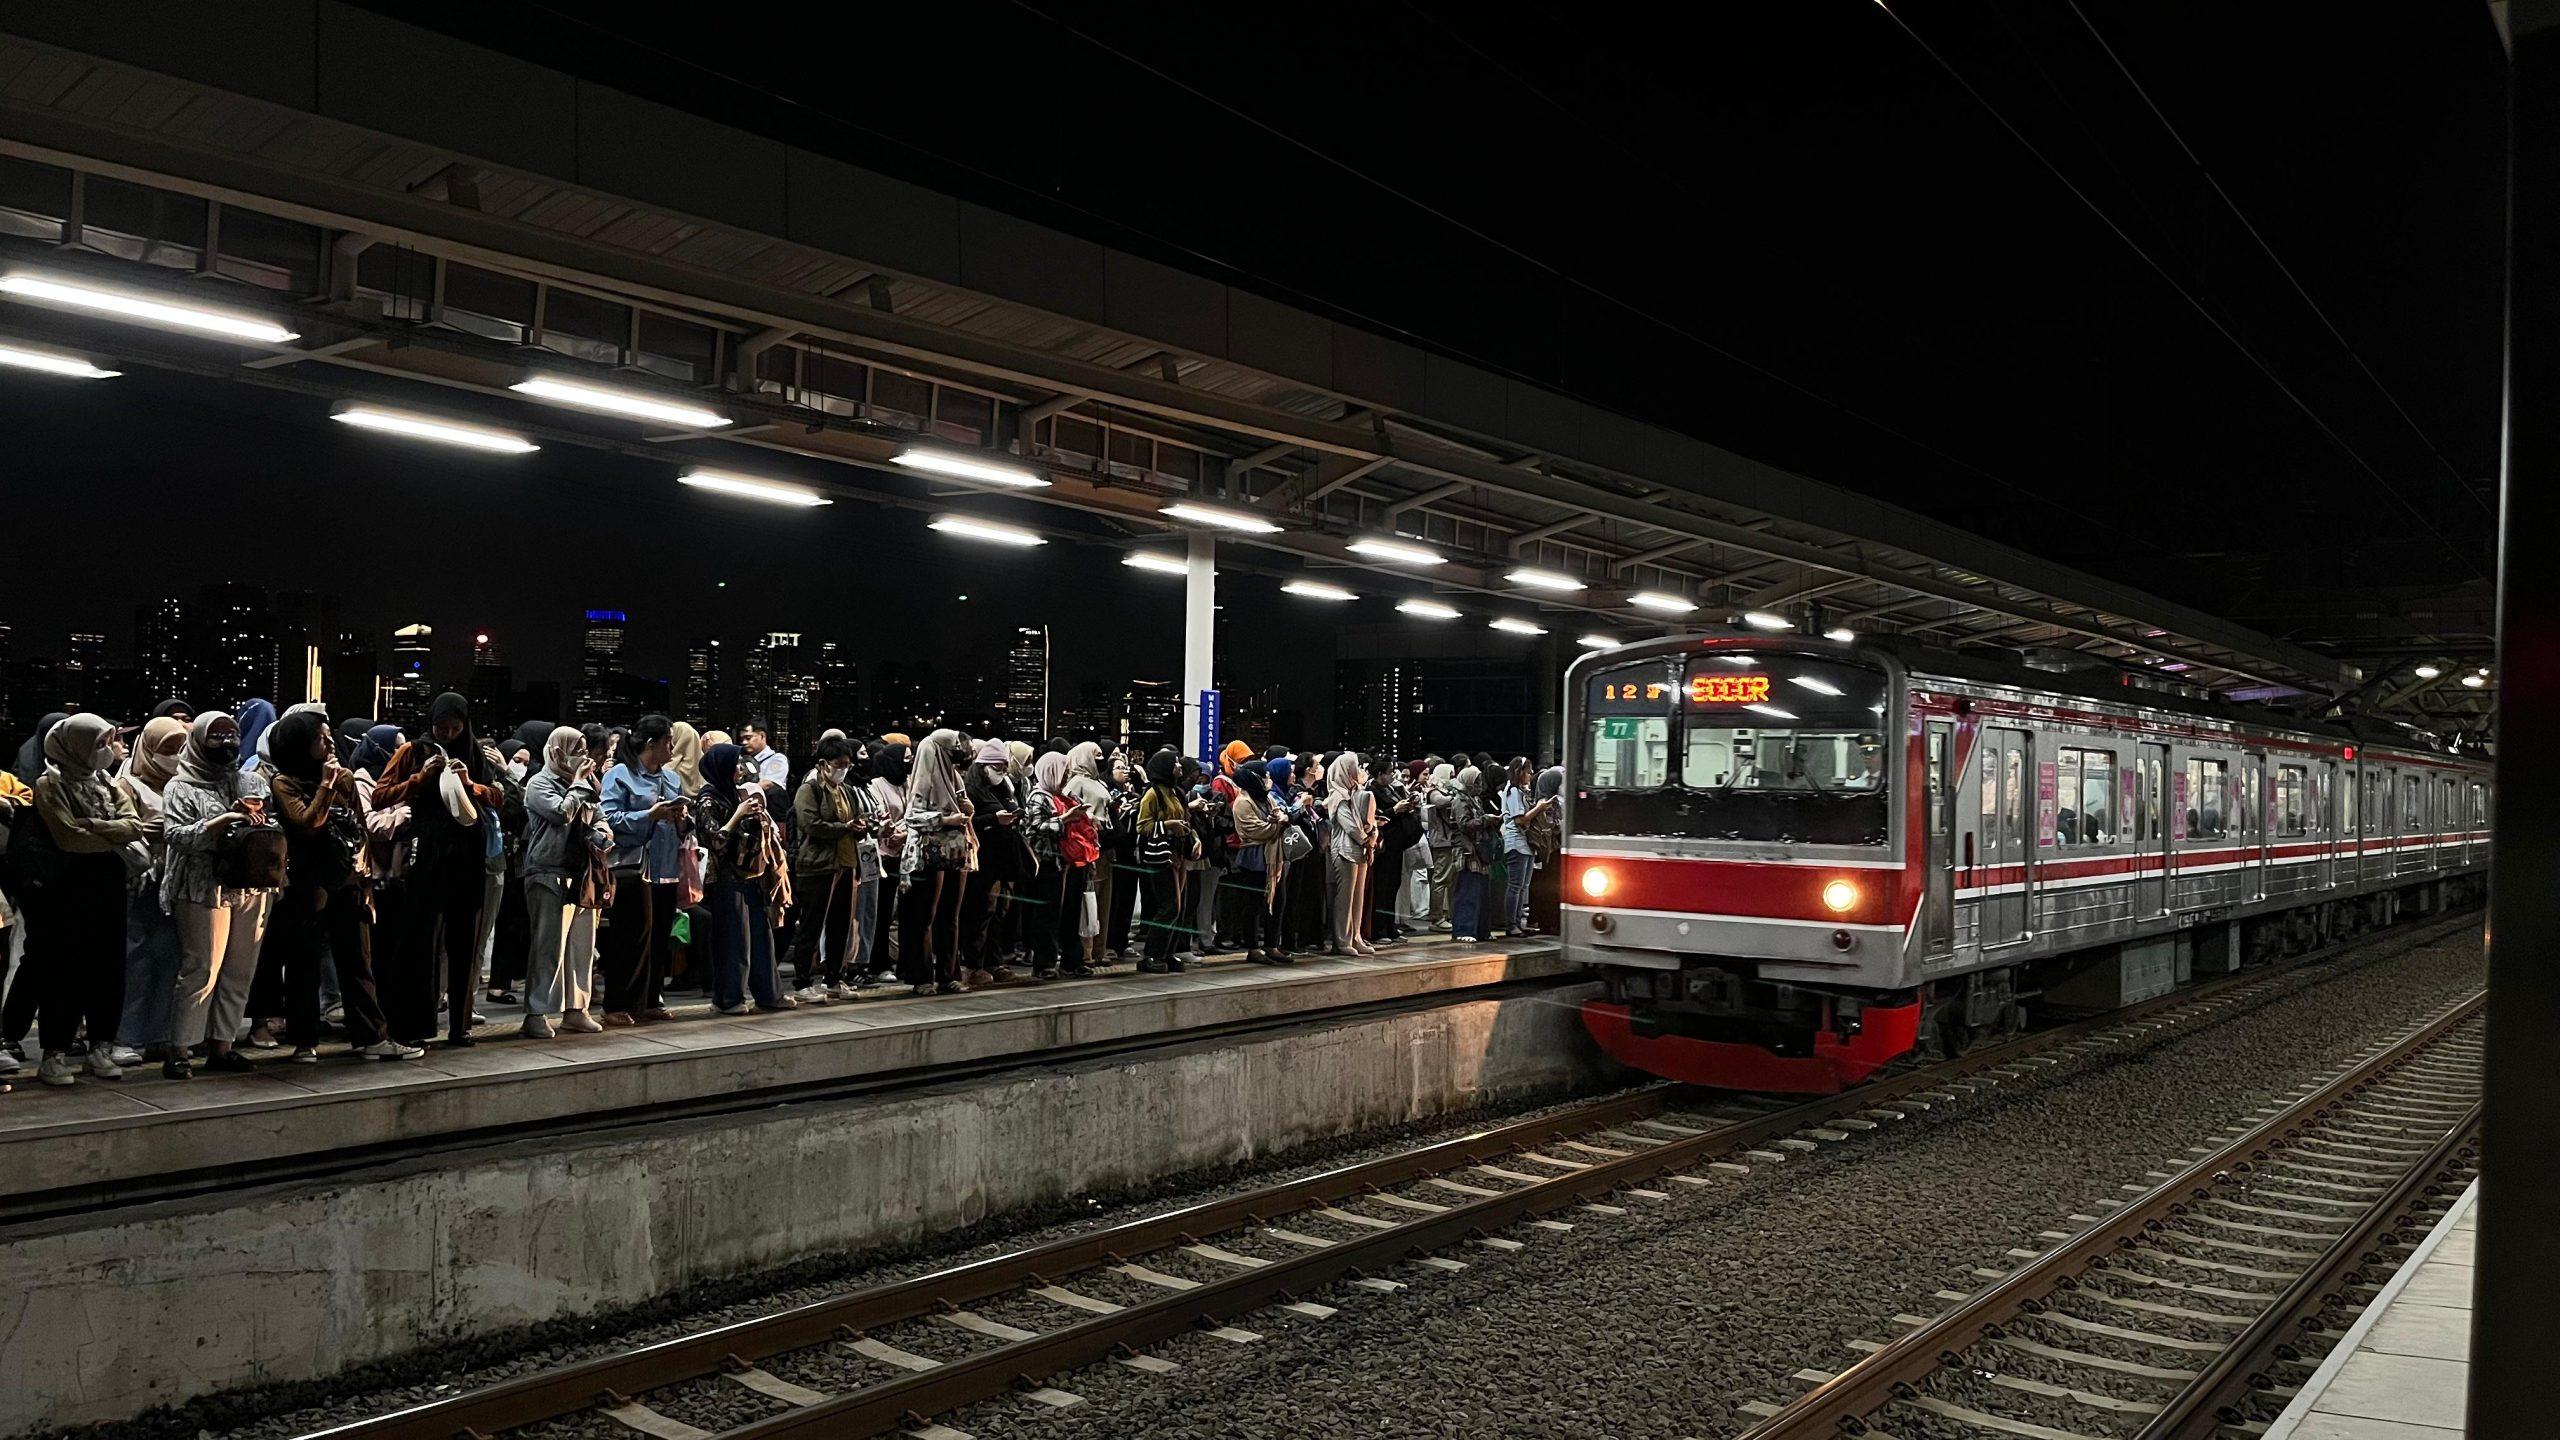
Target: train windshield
(1763, 747)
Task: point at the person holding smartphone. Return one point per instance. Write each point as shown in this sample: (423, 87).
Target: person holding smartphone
(448, 779)
(644, 806)
(220, 928)
(741, 866)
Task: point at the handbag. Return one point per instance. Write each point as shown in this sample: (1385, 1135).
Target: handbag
(250, 857)
(1090, 923)
(594, 889)
(1295, 845)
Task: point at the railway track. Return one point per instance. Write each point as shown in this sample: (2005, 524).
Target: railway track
(2193, 1307)
(891, 1357)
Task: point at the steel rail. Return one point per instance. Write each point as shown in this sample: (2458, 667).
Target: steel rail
(579, 1386)
(2213, 1399)
(1840, 1405)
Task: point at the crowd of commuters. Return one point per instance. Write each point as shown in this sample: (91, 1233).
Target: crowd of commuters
(200, 884)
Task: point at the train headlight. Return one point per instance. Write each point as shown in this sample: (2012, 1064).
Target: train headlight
(1595, 882)
(1839, 895)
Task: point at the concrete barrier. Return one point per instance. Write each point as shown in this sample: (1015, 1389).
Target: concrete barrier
(110, 1316)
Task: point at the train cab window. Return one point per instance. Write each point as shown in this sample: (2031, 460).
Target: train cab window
(2293, 800)
(2084, 797)
(2208, 797)
(1763, 747)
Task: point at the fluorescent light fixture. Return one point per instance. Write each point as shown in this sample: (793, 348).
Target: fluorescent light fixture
(1841, 633)
(1818, 687)
(1220, 517)
(443, 432)
(144, 308)
(1772, 711)
(1317, 590)
(1662, 601)
(969, 467)
(1763, 620)
(2483, 671)
(2474, 682)
(1402, 552)
(1537, 579)
(777, 492)
(637, 405)
(2429, 672)
(46, 362)
(1509, 626)
(1161, 564)
(985, 530)
(1595, 642)
(1428, 609)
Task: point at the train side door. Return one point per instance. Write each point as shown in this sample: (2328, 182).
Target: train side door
(2255, 808)
(1937, 917)
(2326, 818)
(2151, 834)
(2008, 837)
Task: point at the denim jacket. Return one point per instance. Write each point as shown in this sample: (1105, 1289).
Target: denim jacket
(640, 843)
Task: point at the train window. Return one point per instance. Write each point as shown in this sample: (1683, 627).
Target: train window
(2413, 803)
(2085, 797)
(2347, 807)
(2147, 797)
(2293, 801)
(2208, 791)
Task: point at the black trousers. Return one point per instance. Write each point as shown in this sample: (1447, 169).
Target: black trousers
(78, 977)
(632, 945)
(349, 933)
(440, 921)
(1163, 922)
(928, 928)
(1126, 887)
(1259, 926)
(982, 904)
(514, 937)
(18, 1010)
(824, 900)
(299, 937)
(1068, 936)
(1034, 916)
(879, 948)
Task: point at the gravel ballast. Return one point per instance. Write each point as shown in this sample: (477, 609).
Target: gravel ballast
(1657, 1322)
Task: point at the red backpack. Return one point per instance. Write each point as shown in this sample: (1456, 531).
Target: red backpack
(1078, 843)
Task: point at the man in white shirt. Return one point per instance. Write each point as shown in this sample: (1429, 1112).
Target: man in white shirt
(764, 763)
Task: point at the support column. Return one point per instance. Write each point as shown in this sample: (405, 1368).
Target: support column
(1199, 635)
(2519, 1268)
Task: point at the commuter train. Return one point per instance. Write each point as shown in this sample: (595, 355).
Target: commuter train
(1792, 861)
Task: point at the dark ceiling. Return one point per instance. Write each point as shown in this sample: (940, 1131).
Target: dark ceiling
(2201, 297)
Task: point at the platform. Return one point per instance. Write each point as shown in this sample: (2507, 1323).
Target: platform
(2404, 1369)
(105, 1132)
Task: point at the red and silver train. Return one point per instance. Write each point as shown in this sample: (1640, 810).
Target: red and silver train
(1794, 860)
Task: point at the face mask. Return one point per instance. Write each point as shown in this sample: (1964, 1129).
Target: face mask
(223, 752)
(105, 760)
(516, 769)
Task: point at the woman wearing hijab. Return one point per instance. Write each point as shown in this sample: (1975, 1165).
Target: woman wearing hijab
(1399, 814)
(150, 936)
(940, 852)
(1351, 832)
(892, 762)
(29, 766)
(830, 821)
(995, 815)
(174, 709)
(1477, 841)
(254, 717)
(221, 927)
(1262, 828)
(1302, 907)
(1165, 840)
(349, 738)
(564, 831)
(78, 904)
(1440, 832)
(1085, 788)
(1121, 891)
(742, 863)
(1041, 900)
(321, 906)
(687, 763)
(447, 778)
(1546, 837)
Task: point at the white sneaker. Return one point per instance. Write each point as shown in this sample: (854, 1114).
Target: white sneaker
(11, 1062)
(102, 1063)
(304, 1055)
(125, 1055)
(810, 994)
(741, 1008)
(390, 1050)
(62, 1069)
(842, 992)
(579, 1022)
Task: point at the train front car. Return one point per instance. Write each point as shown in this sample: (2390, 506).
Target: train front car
(1742, 859)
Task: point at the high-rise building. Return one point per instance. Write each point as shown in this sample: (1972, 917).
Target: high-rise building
(702, 696)
(836, 682)
(237, 660)
(600, 663)
(492, 686)
(1151, 715)
(1022, 711)
(1406, 708)
(778, 690)
(162, 652)
(7, 717)
(410, 688)
(84, 655)
(1372, 705)
(305, 619)
(1094, 716)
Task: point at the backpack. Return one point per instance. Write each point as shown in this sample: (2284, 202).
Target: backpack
(1079, 843)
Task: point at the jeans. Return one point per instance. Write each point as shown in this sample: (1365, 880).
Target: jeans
(150, 973)
(218, 958)
(741, 945)
(1466, 905)
(560, 958)
(1517, 867)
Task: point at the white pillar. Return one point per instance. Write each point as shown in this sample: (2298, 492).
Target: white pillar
(1199, 634)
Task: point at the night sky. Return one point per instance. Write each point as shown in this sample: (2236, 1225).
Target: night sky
(1784, 229)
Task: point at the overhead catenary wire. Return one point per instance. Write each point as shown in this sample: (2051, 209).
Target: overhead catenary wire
(2193, 301)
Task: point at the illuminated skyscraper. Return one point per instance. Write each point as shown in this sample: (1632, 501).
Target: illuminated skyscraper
(600, 664)
(1022, 712)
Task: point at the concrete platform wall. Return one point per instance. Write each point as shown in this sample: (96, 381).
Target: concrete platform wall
(102, 1319)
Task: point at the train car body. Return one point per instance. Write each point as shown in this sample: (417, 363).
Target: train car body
(1794, 860)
